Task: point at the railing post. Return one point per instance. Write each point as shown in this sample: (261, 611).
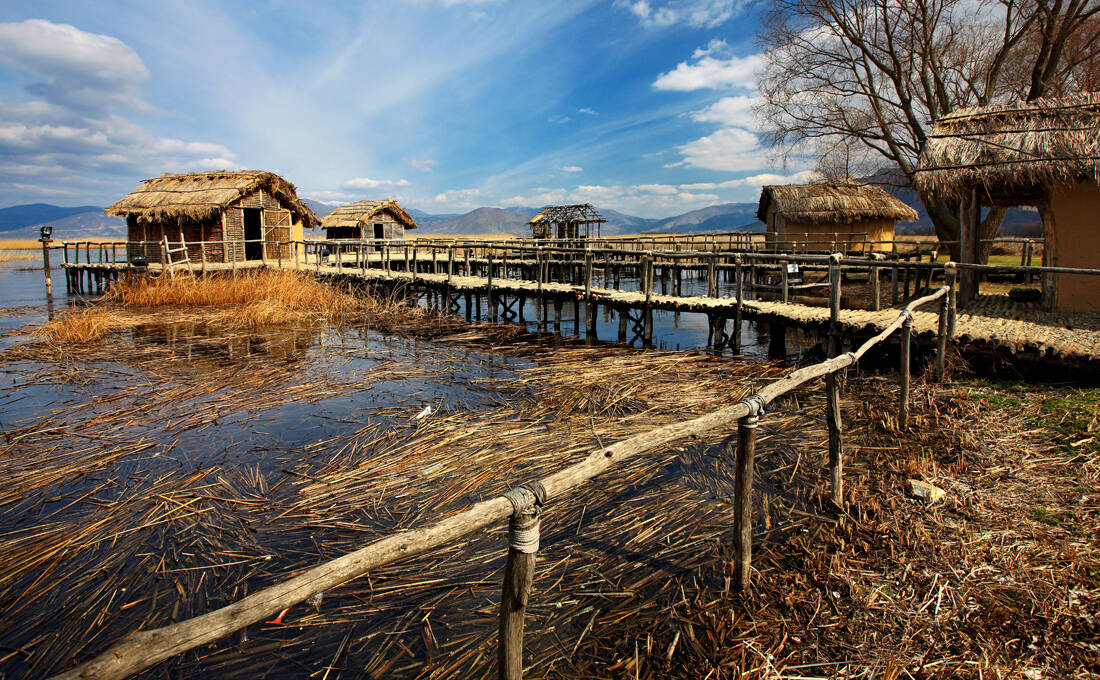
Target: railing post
(712, 279)
(491, 298)
(589, 312)
(941, 339)
(903, 405)
(876, 292)
(784, 276)
(951, 280)
(832, 389)
(648, 282)
(739, 287)
(746, 449)
(519, 574)
(894, 277)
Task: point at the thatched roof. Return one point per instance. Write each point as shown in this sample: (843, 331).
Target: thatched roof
(199, 196)
(582, 213)
(1014, 154)
(832, 203)
(360, 212)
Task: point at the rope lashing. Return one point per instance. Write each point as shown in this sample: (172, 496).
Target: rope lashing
(523, 528)
(757, 407)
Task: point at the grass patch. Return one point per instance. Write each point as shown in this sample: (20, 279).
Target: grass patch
(35, 244)
(18, 256)
(245, 300)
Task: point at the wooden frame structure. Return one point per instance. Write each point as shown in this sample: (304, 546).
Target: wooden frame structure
(565, 222)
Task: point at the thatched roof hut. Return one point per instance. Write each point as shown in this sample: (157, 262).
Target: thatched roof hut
(200, 196)
(1044, 153)
(221, 215)
(368, 219)
(566, 222)
(821, 214)
(1014, 154)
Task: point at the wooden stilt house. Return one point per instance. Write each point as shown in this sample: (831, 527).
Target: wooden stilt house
(1044, 153)
(843, 217)
(222, 216)
(567, 223)
(368, 220)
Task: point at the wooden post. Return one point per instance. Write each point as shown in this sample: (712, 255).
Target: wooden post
(832, 389)
(648, 279)
(941, 340)
(894, 277)
(46, 266)
(903, 407)
(712, 280)
(589, 314)
(491, 297)
(519, 573)
(876, 293)
(950, 279)
(740, 290)
(746, 448)
(968, 228)
(785, 277)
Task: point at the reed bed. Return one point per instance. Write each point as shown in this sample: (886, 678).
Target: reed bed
(244, 300)
(17, 256)
(633, 579)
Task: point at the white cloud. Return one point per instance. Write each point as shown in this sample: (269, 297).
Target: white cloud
(459, 199)
(729, 112)
(368, 183)
(572, 168)
(71, 67)
(558, 120)
(708, 72)
(588, 112)
(695, 13)
(71, 134)
(730, 149)
(423, 165)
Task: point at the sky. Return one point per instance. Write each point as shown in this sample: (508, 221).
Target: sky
(640, 106)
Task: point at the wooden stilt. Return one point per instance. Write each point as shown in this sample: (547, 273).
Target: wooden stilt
(832, 389)
(903, 406)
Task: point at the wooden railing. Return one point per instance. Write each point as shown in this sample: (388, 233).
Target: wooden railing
(525, 503)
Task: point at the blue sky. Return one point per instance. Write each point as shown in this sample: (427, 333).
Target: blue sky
(640, 106)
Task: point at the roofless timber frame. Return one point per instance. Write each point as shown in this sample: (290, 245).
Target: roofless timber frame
(248, 212)
(523, 505)
(1044, 153)
(565, 222)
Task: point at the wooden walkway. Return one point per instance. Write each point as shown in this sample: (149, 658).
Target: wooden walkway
(989, 323)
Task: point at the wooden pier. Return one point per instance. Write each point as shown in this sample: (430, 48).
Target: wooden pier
(496, 281)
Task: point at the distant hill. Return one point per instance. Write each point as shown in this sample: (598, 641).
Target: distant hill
(320, 208)
(724, 217)
(1018, 221)
(24, 221)
(32, 214)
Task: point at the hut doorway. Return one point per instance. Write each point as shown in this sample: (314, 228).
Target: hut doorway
(253, 234)
(379, 231)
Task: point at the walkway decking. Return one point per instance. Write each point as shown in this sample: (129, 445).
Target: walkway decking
(990, 322)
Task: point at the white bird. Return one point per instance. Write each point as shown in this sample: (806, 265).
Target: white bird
(425, 413)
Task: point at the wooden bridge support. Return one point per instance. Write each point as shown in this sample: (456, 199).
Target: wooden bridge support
(746, 450)
(832, 390)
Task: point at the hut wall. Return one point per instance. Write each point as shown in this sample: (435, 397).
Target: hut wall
(276, 224)
(848, 235)
(1076, 243)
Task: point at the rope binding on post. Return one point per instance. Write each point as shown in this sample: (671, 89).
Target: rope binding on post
(523, 527)
(757, 406)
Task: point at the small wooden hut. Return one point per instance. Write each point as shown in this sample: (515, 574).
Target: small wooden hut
(1044, 153)
(240, 215)
(821, 215)
(368, 220)
(567, 222)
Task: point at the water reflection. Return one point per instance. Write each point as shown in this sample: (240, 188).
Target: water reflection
(197, 339)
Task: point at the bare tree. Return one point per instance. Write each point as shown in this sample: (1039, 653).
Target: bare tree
(881, 71)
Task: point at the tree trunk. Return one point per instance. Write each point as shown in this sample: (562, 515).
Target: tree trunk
(945, 219)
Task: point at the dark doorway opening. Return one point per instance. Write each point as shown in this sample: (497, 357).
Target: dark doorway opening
(253, 233)
(379, 231)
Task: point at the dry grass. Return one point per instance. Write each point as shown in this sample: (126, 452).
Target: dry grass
(35, 244)
(245, 300)
(17, 257)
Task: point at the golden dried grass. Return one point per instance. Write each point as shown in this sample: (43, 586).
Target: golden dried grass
(17, 257)
(254, 299)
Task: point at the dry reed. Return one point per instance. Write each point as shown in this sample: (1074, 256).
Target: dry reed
(251, 299)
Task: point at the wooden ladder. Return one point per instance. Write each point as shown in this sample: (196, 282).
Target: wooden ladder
(167, 252)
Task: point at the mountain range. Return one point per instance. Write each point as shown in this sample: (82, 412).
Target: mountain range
(23, 221)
